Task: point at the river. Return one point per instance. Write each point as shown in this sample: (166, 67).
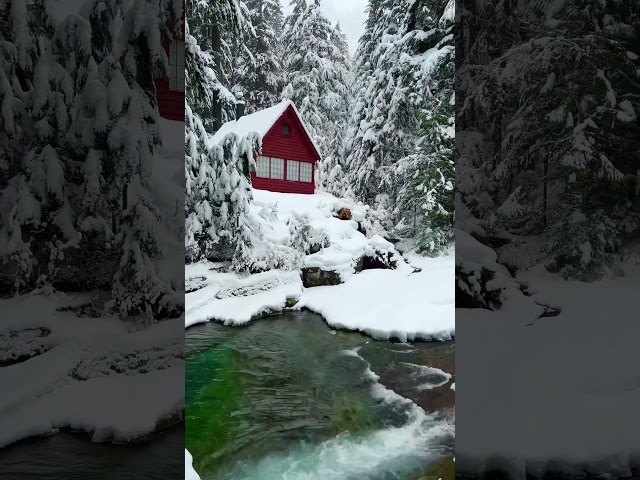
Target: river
(288, 398)
(72, 456)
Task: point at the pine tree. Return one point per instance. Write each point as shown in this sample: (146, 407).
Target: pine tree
(317, 71)
(561, 135)
(218, 194)
(257, 65)
(401, 149)
(137, 288)
(214, 25)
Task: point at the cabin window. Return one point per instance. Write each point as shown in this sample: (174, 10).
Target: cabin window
(277, 168)
(293, 169)
(262, 167)
(176, 66)
(286, 129)
(306, 172)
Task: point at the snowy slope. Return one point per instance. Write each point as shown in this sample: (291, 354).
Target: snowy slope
(401, 303)
(562, 392)
(346, 243)
(63, 371)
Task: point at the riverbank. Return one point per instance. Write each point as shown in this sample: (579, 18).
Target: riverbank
(401, 297)
(533, 378)
(64, 371)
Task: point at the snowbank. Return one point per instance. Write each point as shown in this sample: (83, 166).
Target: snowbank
(394, 304)
(189, 472)
(346, 243)
(401, 304)
(94, 375)
(234, 300)
(563, 391)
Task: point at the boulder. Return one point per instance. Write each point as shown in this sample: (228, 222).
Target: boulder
(315, 277)
(379, 260)
(314, 248)
(344, 214)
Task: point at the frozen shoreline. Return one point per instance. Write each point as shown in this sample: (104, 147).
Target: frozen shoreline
(68, 372)
(557, 392)
(360, 304)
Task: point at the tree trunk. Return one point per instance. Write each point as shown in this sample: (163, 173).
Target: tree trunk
(125, 191)
(216, 46)
(544, 191)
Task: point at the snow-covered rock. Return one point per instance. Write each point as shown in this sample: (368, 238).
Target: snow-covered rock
(189, 472)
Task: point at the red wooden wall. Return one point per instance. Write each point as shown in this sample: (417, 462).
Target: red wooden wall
(170, 102)
(295, 146)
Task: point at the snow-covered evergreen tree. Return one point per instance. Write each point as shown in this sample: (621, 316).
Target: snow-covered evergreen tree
(82, 153)
(546, 112)
(257, 69)
(318, 78)
(218, 194)
(403, 117)
(214, 27)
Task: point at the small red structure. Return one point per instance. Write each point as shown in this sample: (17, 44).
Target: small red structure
(170, 90)
(288, 153)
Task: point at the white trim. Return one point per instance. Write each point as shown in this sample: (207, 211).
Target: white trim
(293, 166)
(310, 172)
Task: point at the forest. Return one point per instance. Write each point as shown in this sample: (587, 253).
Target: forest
(80, 134)
(382, 118)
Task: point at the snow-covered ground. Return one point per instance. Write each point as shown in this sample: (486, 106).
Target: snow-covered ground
(395, 304)
(189, 472)
(557, 391)
(402, 303)
(95, 375)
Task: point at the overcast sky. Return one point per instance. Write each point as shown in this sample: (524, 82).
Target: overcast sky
(350, 14)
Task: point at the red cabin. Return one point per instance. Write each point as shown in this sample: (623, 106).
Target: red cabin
(170, 90)
(288, 153)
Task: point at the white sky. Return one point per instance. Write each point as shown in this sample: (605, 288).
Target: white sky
(350, 14)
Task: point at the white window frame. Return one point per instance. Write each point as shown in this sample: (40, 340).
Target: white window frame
(176, 65)
(261, 163)
(293, 170)
(307, 169)
(277, 168)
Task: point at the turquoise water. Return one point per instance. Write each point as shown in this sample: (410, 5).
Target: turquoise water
(287, 398)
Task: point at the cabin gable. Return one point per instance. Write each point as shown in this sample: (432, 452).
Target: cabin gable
(295, 144)
(288, 140)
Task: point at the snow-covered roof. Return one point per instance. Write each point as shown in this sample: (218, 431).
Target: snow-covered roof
(261, 122)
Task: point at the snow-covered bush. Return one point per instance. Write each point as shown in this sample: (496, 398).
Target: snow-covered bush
(138, 290)
(263, 255)
(377, 219)
(583, 246)
(433, 242)
(300, 232)
(478, 287)
(481, 282)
